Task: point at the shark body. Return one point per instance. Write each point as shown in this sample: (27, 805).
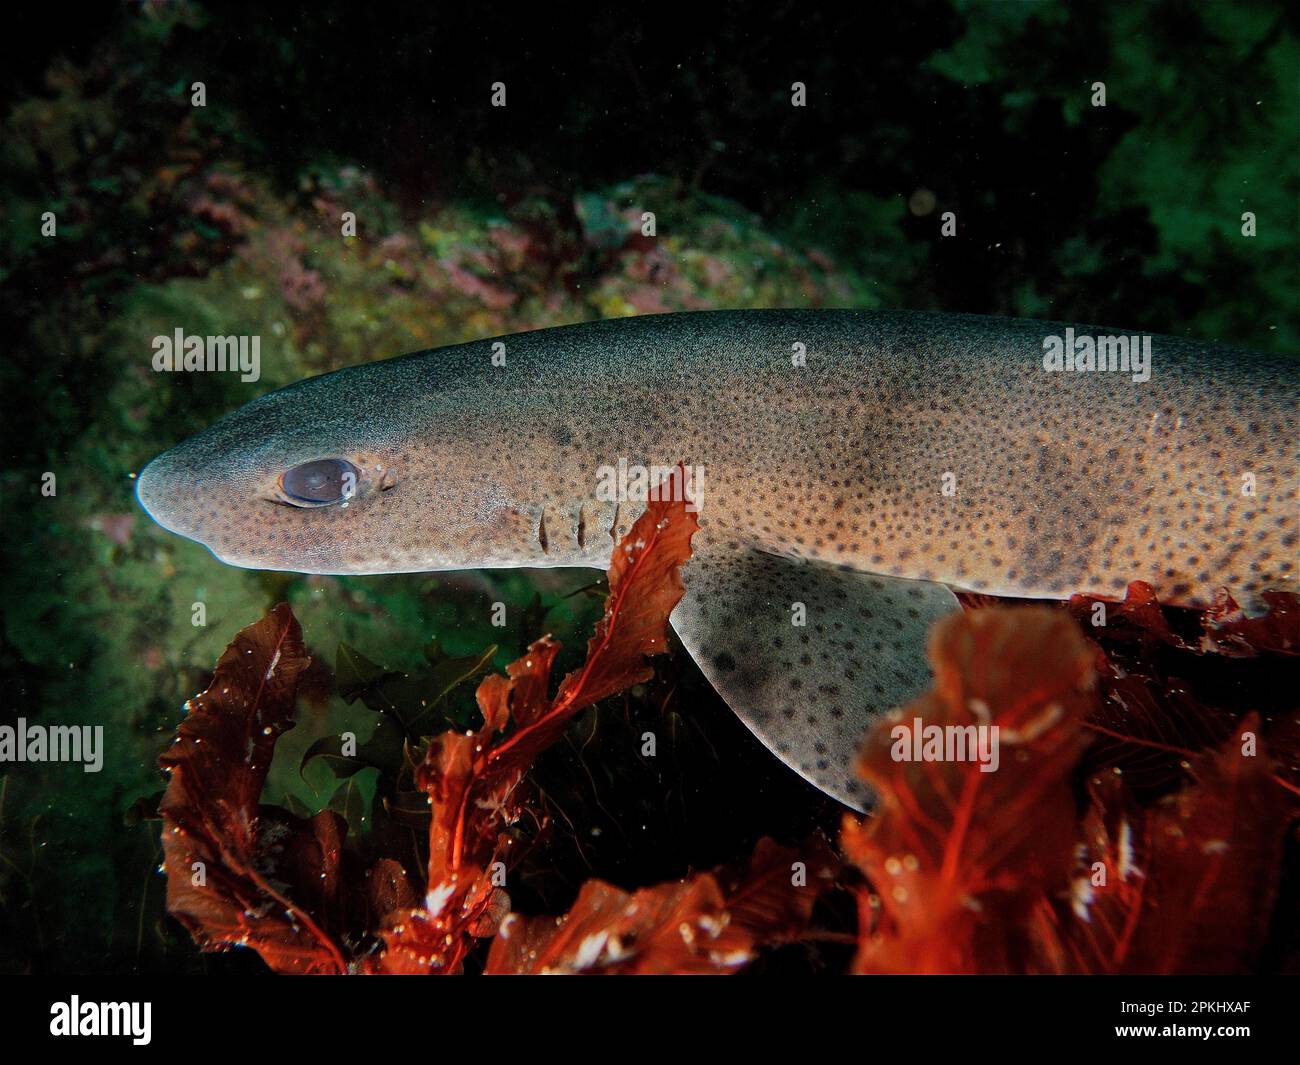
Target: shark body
(855, 467)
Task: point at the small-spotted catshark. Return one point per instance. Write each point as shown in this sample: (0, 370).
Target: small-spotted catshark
(859, 466)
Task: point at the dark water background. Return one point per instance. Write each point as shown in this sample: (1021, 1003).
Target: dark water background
(476, 221)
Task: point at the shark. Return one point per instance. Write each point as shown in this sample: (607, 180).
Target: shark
(851, 471)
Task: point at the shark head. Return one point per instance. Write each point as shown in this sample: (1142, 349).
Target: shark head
(351, 472)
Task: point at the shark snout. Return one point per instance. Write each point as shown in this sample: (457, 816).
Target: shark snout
(155, 491)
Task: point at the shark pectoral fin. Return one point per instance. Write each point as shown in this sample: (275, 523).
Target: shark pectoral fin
(808, 654)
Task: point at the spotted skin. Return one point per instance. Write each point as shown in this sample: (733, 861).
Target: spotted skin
(809, 654)
(923, 447)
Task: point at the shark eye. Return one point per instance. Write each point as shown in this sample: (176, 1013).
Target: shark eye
(319, 483)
